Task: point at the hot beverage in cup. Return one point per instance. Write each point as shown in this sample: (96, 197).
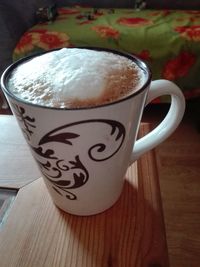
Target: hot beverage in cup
(74, 78)
(80, 110)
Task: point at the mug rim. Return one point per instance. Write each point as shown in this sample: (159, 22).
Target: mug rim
(140, 63)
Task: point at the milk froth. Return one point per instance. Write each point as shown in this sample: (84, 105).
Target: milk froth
(72, 77)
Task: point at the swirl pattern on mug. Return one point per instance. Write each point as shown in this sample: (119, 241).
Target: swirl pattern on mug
(62, 154)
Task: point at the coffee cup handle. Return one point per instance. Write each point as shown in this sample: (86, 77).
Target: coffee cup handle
(169, 123)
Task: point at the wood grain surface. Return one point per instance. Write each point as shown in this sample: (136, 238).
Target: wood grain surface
(131, 233)
(17, 166)
(179, 172)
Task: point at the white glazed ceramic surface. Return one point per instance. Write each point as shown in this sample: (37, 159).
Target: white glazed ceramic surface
(83, 154)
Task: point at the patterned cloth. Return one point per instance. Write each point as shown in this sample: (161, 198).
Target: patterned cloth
(169, 41)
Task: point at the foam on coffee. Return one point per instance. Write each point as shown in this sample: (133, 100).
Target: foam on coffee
(72, 78)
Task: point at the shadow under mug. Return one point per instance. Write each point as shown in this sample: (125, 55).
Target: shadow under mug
(83, 153)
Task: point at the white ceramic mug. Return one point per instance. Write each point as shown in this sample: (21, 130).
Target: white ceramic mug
(83, 154)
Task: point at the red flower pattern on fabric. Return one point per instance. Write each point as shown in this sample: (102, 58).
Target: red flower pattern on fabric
(43, 39)
(192, 12)
(191, 33)
(134, 21)
(68, 11)
(163, 13)
(144, 55)
(25, 43)
(38, 31)
(50, 40)
(179, 66)
(106, 32)
(192, 93)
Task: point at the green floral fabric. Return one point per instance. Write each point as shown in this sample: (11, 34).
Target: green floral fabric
(169, 41)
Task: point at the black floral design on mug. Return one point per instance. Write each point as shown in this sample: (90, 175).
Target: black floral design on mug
(96, 152)
(28, 122)
(77, 175)
(65, 168)
(117, 131)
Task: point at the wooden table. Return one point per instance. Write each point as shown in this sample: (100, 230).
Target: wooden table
(34, 233)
